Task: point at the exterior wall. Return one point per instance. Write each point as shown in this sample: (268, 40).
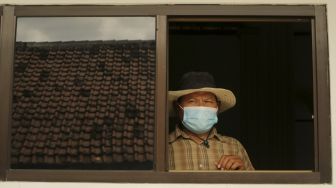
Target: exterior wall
(331, 13)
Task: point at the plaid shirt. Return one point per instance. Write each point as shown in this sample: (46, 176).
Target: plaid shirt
(186, 152)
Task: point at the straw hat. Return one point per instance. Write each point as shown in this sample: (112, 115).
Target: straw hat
(201, 81)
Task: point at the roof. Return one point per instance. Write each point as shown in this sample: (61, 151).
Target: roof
(83, 103)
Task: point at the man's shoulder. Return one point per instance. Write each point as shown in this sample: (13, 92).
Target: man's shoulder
(227, 139)
(173, 136)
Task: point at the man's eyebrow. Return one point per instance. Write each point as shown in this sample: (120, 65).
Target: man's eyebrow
(188, 98)
(183, 98)
(210, 96)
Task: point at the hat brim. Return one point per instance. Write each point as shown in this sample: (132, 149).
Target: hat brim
(226, 98)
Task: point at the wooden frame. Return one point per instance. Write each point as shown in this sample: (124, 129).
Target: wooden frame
(223, 10)
(323, 95)
(160, 172)
(6, 54)
(2, 169)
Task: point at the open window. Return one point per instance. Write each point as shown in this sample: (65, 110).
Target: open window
(95, 109)
(268, 64)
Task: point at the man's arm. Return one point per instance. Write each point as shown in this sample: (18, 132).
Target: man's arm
(241, 161)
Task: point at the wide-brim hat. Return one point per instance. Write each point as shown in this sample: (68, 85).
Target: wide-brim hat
(201, 81)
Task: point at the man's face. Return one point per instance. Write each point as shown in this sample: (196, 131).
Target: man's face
(201, 98)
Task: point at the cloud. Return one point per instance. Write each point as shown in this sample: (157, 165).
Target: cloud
(85, 28)
(125, 28)
(33, 35)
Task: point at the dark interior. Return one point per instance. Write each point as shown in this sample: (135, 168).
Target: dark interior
(268, 66)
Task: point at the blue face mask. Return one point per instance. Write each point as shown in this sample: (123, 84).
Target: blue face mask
(199, 119)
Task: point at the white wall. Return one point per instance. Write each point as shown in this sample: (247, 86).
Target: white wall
(331, 13)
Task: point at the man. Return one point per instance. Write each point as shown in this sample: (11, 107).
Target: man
(195, 144)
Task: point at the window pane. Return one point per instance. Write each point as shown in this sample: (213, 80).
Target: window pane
(83, 93)
(268, 67)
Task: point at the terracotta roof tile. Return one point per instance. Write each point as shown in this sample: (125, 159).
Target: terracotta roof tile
(79, 104)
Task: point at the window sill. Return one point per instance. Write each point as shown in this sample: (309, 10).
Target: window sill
(304, 177)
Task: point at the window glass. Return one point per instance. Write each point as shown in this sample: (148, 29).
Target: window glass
(268, 67)
(83, 93)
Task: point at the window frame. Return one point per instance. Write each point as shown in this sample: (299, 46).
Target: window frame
(160, 173)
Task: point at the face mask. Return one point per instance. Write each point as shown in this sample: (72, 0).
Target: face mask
(199, 119)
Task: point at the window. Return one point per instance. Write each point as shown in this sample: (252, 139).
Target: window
(83, 93)
(18, 55)
(267, 64)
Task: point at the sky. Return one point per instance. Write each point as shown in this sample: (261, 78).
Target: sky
(48, 29)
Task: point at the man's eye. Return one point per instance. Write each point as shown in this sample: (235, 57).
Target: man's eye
(210, 101)
(191, 101)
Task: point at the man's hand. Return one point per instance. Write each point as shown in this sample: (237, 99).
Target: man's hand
(230, 162)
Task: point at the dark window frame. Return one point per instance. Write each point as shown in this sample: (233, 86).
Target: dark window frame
(160, 173)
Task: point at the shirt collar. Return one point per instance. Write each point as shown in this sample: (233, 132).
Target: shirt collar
(179, 133)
